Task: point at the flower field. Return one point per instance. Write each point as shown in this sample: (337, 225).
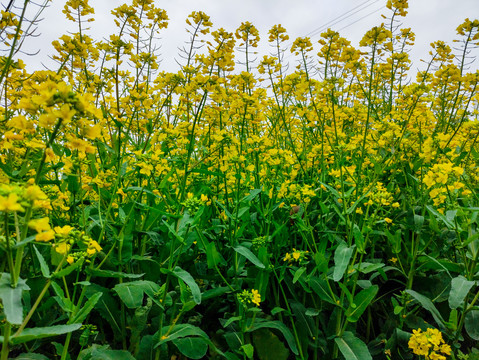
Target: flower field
(239, 208)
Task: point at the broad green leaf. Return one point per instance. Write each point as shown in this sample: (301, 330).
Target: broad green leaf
(342, 255)
(441, 217)
(352, 348)
(361, 302)
(248, 350)
(107, 306)
(471, 324)
(460, 287)
(139, 322)
(278, 325)
(249, 255)
(131, 293)
(320, 287)
(12, 298)
(215, 292)
(85, 310)
(213, 257)
(190, 281)
(191, 347)
(98, 352)
(268, 346)
(43, 332)
(60, 298)
(43, 264)
(428, 305)
(358, 238)
(180, 331)
(298, 273)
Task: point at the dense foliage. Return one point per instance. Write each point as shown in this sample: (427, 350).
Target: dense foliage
(238, 208)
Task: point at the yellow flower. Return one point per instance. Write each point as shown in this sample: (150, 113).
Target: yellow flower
(70, 259)
(39, 225)
(62, 248)
(10, 203)
(296, 254)
(33, 192)
(45, 235)
(93, 247)
(64, 231)
(388, 220)
(256, 297)
(287, 257)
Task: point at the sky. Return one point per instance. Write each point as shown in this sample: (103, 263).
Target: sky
(430, 20)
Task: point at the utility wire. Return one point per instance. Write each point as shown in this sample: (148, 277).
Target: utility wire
(361, 18)
(341, 18)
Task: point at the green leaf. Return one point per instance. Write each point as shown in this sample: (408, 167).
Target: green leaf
(192, 347)
(43, 264)
(361, 302)
(180, 331)
(460, 287)
(43, 332)
(471, 324)
(278, 325)
(131, 293)
(31, 356)
(352, 348)
(12, 298)
(107, 306)
(98, 352)
(213, 257)
(66, 271)
(342, 255)
(440, 216)
(298, 273)
(358, 238)
(249, 255)
(215, 292)
(60, 298)
(268, 346)
(85, 310)
(320, 287)
(252, 194)
(190, 281)
(248, 350)
(112, 274)
(428, 305)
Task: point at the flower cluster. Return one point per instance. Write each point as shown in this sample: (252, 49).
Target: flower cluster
(429, 344)
(250, 297)
(296, 256)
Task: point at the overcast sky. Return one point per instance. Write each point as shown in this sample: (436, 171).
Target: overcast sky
(431, 20)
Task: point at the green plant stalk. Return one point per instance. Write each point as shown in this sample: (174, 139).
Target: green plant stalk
(28, 214)
(9, 251)
(39, 299)
(296, 337)
(6, 338)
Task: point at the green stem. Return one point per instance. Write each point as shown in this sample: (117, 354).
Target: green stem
(6, 338)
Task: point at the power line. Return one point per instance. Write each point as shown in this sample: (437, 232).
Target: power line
(342, 17)
(365, 16)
